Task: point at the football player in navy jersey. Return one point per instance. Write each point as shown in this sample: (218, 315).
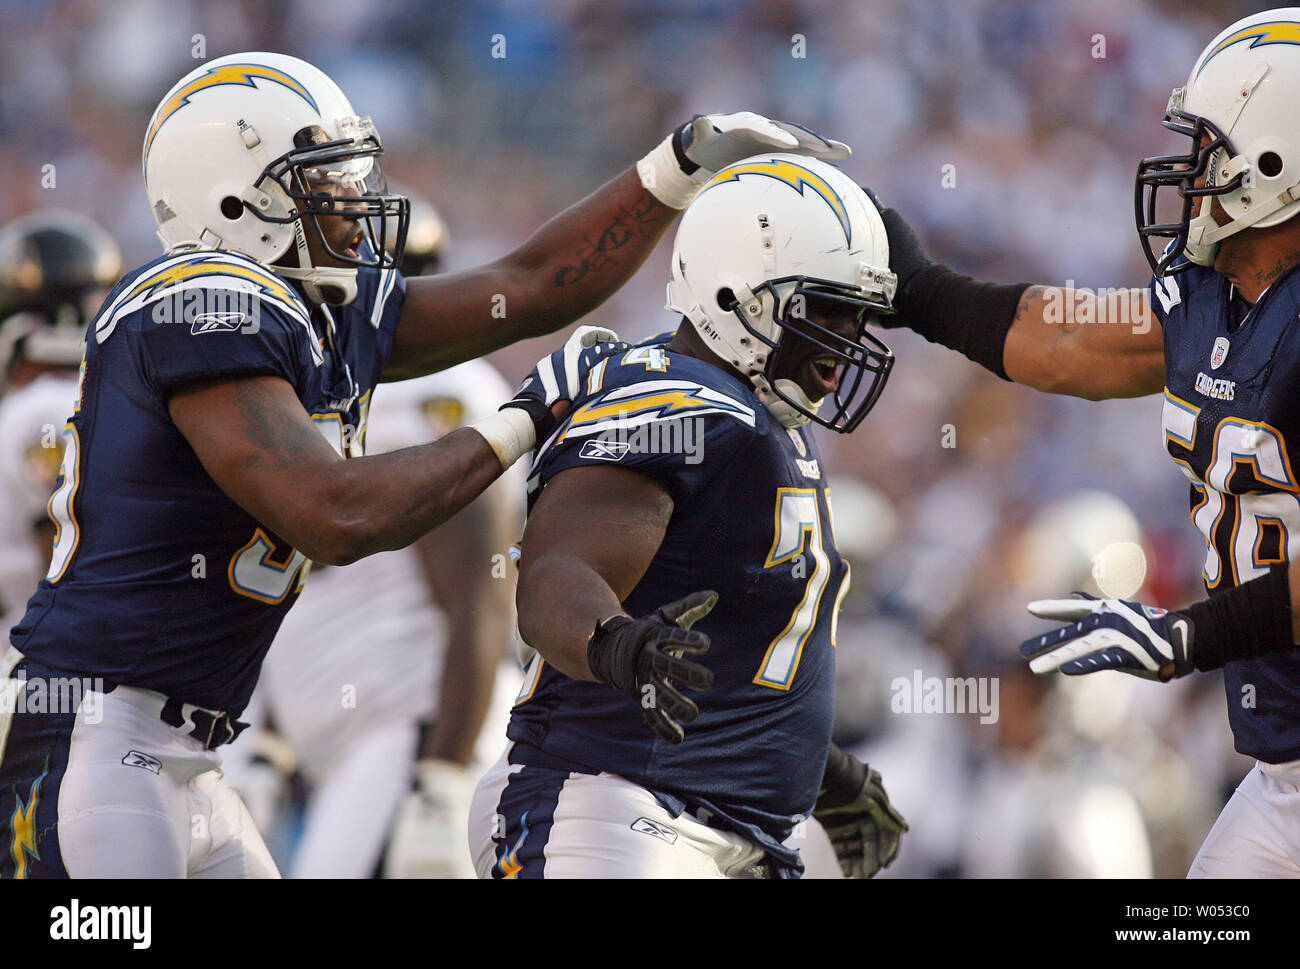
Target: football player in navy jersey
(225, 386)
(1215, 331)
(686, 465)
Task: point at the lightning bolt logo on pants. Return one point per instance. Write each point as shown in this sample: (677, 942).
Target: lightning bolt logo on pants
(23, 824)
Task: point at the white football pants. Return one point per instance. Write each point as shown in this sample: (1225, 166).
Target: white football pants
(1257, 834)
(109, 790)
(530, 822)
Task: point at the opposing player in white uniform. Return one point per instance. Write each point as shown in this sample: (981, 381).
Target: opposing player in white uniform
(376, 649)
(55, 267)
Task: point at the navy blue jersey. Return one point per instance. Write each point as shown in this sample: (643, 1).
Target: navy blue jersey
(751, 519)
(1230, 421)
(158, 580)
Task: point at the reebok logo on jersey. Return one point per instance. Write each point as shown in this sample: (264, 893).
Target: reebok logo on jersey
(135, 758)
(684, 436)
(1218, 389)
(217, 323)
(655, 829)
(600, 450)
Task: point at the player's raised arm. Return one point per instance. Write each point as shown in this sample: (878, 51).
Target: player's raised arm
(589, 540)
(575, 261)
(1055, 339)
(1065, 341)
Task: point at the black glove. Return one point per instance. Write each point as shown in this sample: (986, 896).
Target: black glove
(643, 658)
(907, 257)
(853, 808)
(943, 306)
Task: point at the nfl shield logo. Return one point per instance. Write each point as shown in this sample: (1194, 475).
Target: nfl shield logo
(798, 441)
(1219, 353)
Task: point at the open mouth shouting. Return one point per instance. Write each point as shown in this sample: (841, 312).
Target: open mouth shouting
(822, 375)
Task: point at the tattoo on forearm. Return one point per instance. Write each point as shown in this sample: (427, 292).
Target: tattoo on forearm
(594, 257)
(1029, 296)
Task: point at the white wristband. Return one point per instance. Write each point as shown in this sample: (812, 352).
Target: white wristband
(509, 432)
(662, 176)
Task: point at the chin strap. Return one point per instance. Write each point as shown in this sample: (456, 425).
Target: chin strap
(1204, 234)
(785, 413)
(333, 286)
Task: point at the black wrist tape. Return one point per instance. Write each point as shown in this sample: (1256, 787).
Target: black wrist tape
(961, 313)
(1244, 622)
(680, 144)
(607, 654)
(841, 780)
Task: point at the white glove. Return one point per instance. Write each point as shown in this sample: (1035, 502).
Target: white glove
(680, 164)
(1111, 634)
(430, 838)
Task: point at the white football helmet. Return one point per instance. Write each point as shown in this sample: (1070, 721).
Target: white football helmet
(1239, 109)
(242, 148)
(763, 237)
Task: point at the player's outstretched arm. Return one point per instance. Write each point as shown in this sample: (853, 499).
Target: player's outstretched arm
(576, 260)
(261, 448)
(1067, 341)
(1242, 623)
(1055, 339)
(589, 539)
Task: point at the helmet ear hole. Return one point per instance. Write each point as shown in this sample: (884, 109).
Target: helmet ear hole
(726, 299)
(232, 208)
(1270, 164)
